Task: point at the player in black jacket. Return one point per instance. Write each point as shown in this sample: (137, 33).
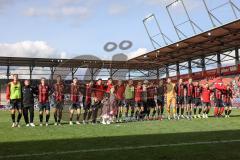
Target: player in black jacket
(28, 102)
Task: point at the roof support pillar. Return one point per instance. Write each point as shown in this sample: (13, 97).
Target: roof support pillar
(129, 74)
(73, 71)
(30, 71)
(219, 64)
(52, 74)
(92, 73)
(111, 72)
(178, 70)
(236, 55)
(8, 72)
(158, 74)
(167, 71)
(190, 67)
(203, 64)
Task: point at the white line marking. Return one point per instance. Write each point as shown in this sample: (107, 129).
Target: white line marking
(117, 148)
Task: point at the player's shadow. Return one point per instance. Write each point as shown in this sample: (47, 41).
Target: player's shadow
(82, 148)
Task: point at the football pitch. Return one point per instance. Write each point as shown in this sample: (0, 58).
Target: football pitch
(213, 138)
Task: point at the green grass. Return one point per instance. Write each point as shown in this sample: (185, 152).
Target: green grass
(57, 139)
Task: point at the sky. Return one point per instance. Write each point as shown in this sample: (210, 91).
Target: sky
(70, 28)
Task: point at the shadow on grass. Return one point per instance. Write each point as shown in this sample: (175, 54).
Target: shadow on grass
(199, 151)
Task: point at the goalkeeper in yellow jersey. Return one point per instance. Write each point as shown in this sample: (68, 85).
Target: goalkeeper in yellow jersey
(171, 99)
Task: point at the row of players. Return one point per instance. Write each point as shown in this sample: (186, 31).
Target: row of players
(143, 101)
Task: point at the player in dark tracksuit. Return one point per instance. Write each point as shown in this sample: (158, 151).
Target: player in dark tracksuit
(28, 92)
(160, 99)
(197, 100)
(179, 89)
(227, 101)
(190, 98)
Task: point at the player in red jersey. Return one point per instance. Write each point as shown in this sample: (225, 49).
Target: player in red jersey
(43, 101)
(138, 101)
(189, 98)
(179, 89)
(197, 100)
(227, 101)
(218, 96)
(206, 100)
(152, 106)
(109, 85)
(88, 102)
(58, 96)
(99, 90)
(75, 100)
(120, 89)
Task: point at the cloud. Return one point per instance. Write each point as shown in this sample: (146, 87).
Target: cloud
(73, 10)
(190, 4)
(36, 49)
(63, 12)
(157, 2)
(117, 9)
(5, 3)
(136, 53)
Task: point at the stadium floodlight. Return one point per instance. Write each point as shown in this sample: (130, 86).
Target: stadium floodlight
(154, 41)
(178, 31)
(214, 19)
(174, 4)
(148, 17)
